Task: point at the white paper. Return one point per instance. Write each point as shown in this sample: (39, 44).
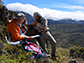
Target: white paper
(35, 36)
(31, 36)
(13, 43)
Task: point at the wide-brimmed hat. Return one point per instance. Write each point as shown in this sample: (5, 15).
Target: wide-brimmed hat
(36, 14)
(19, 16)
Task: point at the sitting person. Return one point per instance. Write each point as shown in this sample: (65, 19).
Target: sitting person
(15, 32)
(14, 28)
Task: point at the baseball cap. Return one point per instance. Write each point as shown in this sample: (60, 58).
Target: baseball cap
(19, 16)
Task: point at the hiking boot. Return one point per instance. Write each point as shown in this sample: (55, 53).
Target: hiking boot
(54, 57)
(48, 55)
(47, 52)
(46, 61)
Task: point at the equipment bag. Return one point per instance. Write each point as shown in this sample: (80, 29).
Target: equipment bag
(36, 50)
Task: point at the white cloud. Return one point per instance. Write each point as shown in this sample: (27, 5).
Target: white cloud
(71, 7)
(78, 1)
(47, 13)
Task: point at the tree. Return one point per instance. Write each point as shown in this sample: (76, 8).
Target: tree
(1, 3)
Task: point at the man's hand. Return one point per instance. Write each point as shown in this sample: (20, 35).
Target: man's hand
(30, 38)
(35, 22)
(24, 32)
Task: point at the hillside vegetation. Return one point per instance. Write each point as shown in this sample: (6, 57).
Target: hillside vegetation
(68, 35)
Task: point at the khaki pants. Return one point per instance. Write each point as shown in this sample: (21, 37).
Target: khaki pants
(48, 37)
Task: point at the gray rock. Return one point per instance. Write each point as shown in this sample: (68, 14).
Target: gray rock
(1, 45)
(72, 61)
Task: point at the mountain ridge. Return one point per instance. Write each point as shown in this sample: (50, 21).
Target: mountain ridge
(65, 21)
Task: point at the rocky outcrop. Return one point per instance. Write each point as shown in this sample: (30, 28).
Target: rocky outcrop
(1, 45)
(5, 16)
(1, 48)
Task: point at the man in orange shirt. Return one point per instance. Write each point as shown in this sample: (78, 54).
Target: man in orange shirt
(14, 28)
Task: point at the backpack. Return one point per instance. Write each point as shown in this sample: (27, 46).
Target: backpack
(37, 52)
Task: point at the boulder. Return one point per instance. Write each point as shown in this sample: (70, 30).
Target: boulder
(1, 45)
(72, 61)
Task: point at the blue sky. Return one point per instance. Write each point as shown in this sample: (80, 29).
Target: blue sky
(62, 9)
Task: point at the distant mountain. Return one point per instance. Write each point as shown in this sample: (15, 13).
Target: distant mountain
(65, 21)
(50, 21)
